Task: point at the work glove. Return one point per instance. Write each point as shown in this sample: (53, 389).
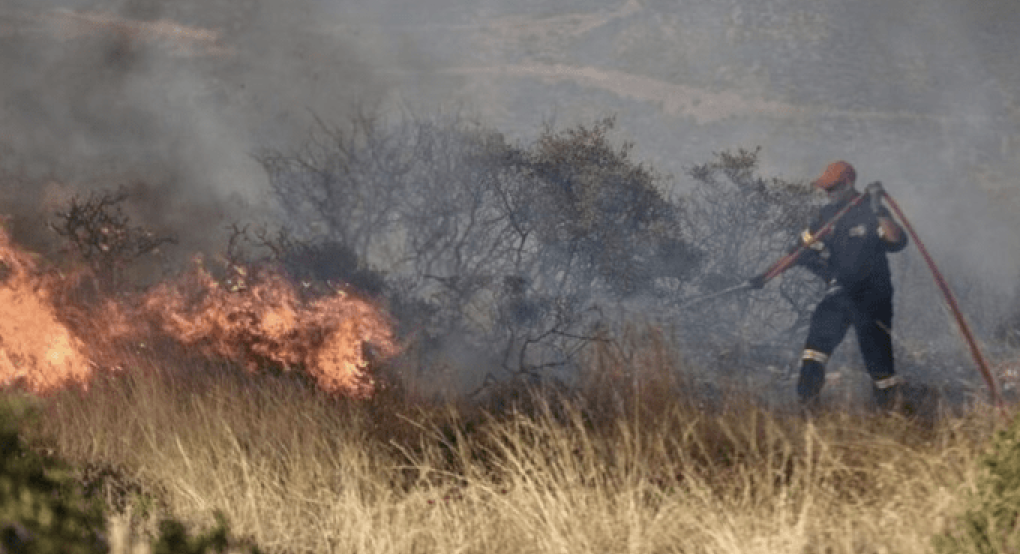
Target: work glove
(757, 282)
(875, 193)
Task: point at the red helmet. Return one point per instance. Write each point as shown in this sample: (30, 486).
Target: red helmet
(836, 174)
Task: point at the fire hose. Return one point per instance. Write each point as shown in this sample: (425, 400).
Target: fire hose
(788, 260)
(947, 294)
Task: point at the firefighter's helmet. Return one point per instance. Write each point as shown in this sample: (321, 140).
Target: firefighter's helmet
(836, 174)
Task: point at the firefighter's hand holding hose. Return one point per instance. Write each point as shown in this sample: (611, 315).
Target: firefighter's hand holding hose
(888, 229)
(757, 282)
(875, 193)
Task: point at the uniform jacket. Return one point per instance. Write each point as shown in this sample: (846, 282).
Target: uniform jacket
(853, 254)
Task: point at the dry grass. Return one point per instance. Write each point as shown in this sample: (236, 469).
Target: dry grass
(640, 469)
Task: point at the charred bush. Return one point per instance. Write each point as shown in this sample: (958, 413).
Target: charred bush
(498, 253)
(595, 208)
(1008, 330)
(95, 230)
(742, 222)
(318, 266)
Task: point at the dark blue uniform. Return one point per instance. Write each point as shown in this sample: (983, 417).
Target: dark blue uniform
(852, 260)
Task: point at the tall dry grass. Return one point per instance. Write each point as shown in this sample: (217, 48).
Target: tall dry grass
(633, 463)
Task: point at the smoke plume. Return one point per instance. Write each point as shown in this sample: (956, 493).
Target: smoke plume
(168, 99)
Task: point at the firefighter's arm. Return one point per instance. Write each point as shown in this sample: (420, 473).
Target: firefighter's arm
(888, 230)
(806, 252)
(814, 257)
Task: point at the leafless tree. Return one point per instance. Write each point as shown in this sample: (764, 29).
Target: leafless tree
(98, 232)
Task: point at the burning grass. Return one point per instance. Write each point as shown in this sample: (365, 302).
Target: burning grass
(37, 351)
(265, 320)
(56, 327)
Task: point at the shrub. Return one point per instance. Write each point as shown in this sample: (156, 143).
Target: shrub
(743, 222)
(97, 232)
(41, 508)
(498, 253)
(990, 524)
(174, 539)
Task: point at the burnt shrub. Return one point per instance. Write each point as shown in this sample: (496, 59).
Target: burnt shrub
(498, 253)
(97, 233)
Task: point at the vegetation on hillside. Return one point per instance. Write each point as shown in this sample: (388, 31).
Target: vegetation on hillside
(613, 418)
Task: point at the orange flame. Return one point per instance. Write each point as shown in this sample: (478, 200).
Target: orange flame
(261, 318)
(257, 318)
(37, 350)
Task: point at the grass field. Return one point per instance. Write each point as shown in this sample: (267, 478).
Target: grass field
(640, 471)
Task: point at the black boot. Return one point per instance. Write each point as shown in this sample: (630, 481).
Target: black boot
(809, 386)
(888, 393)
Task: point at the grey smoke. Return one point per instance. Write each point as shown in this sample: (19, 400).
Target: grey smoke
(96, 94)
(920, 95)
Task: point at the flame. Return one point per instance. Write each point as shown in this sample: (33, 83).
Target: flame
(262, 318)
(37, 350)
(256, 318)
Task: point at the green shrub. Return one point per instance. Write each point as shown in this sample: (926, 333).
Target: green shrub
(41, 507)
(991, 524)
(174, 539)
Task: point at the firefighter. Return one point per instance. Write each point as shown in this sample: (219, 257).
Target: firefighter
(852, 261)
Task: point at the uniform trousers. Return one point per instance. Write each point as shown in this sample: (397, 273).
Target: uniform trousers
(869, 310)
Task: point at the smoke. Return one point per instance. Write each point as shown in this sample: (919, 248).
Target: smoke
(169, 98)
(921, 99)
(954, 175)
(176, 95)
